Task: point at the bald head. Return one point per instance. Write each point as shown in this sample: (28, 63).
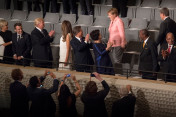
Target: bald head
(170, 38)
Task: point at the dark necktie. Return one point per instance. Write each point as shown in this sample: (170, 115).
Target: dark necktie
(82, 40)
(18, 38)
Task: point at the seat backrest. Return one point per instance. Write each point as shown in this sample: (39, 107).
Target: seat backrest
(5, 14)
(57, 28)
(150, 3)
(86, 20)
(52, 17)
(101, 21)
(104, 10)
(70, 17)
(139, 23)
(147, 13)
(19, 15)
(126, 22)
(131, 13)
(131, 35)
(33, 15)
(154, 24)
(168, 3)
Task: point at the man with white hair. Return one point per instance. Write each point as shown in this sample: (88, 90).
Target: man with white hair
(124, 107)
(41, 39)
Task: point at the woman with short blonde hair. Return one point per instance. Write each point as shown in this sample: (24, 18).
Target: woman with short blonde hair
(6, 42)
(116, 35)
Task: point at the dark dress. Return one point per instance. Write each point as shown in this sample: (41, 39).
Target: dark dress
(68, 112)
(102, 59)
(7, 37)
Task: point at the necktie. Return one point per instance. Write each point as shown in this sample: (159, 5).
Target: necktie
(82, 40)
(143, 44)
(169, 49)
(18, 38)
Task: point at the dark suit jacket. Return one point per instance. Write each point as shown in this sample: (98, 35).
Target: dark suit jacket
(19, 99)
(41, 49)
(23, 46)
(94, 105)
(124, 107)
(168, 25)
(82, 54)
(169, 64)
(148, 57)
(43, 104)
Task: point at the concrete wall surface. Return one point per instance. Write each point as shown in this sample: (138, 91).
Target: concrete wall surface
(154, 98)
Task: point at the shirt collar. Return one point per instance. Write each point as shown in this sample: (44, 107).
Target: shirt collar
(78, 38)
(166, 17)
(39, 29)
(146, 40)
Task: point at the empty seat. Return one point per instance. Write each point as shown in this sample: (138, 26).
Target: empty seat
(104, 10)
(131, 13)
(126, 22)
(86, 20)
(57, 28)
(70, 17)
(131, 35)
(5, 14)
(33, 15)
(19, 15)
(168, 3)
(154, 24)
(101, 21)
(145, 13)
(57, 37)
(52, 18)
(28, 26)
(150, 3)
(154, 34)
(138, 23)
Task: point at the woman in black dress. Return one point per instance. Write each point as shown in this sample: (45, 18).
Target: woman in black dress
(67, 100)
(7, 37)
(101, 52)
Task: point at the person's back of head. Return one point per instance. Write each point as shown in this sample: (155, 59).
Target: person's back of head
(76, 30)
(165, 11)
(34, 81)
(91, 88)
(95, 34)
(123, 91)
(17, 74)
(66, 28)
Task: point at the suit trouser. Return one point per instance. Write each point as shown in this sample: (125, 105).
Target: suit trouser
(69, 4)
(36, 5)
(117, 53)
(86, 7)
(54, 8)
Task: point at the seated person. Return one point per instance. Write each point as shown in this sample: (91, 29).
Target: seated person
(167, 58)
(43, 104)
(101, 52)
(124, 107)
(94, 105)
(67, 100)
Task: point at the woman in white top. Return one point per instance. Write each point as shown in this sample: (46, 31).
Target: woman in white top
(65, 47)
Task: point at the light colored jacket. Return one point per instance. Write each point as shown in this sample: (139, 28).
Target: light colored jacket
(117, 33)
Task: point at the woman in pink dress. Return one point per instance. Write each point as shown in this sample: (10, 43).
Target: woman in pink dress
(116, 35)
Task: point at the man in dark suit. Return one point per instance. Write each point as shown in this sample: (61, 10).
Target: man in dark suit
(41, 50)
(148, 57)
(124, 107)
(43, 104)
(81, 48)
(19, 98)
(168, 25)
(21, 46)
(167, 57)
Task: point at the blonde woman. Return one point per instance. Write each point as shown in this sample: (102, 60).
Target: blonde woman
(65, 47)
(6, 42)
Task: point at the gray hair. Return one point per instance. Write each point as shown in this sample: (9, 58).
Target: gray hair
(123, 91)
(3, 23)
